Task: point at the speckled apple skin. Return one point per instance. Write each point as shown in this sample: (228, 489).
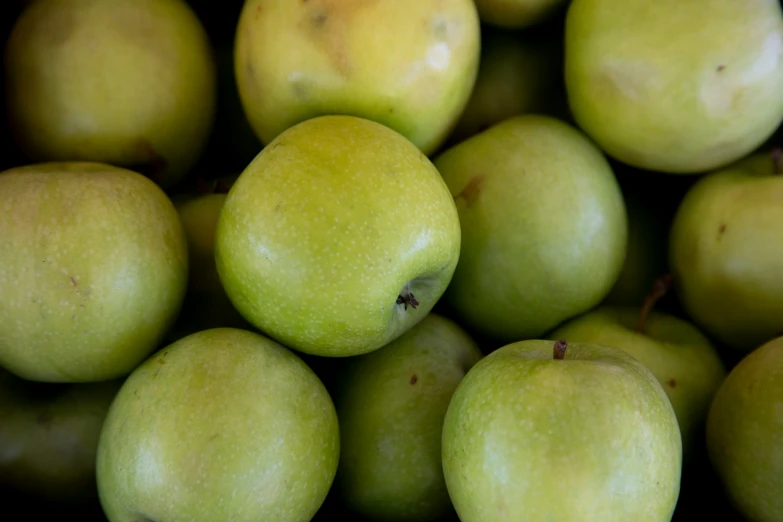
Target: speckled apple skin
(93, 270)
(224, 424)
(592, 437)
(326, 227)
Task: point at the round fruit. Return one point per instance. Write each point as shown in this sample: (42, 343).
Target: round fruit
(408, 64)
(745, 433)
(339, 237)
(126, 82)
(93, 270)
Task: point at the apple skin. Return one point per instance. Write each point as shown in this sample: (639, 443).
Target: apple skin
(745, 433)
(726, 253)
(676, 352)
(49, 437)
(407, 64)
(592, 437)
(516, 14)
(391, 406)
(224, 424)
(93, 270)
(544, 227)
(658, 91)
(323, 231)
(128, 82)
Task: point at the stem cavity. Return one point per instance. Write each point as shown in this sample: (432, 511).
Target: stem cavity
(406, 298)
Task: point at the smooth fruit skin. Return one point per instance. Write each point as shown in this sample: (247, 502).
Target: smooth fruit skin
(126, 82)
(93, 270)
(516, 14)
(726, 253)
(590, 438)
(49, 437)
(407, 64)
(323, 231)
(673, 86)
(224, 424)
(391, 407)
(543, 222)
(745, 433)
(676, 352)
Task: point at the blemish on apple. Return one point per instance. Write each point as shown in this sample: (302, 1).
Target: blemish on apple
(414, 379)
(471, 190)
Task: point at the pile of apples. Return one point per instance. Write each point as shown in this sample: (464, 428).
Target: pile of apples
(398, 260)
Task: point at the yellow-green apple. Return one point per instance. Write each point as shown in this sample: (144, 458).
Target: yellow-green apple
(661, 92)
(745, 433)
(544, 226)
(93, 270)
(676, 352)
(127, 82)
(579, 432)
(726, 252)
(224, 424)
(391, 404)
(339, 237)
(408, 64)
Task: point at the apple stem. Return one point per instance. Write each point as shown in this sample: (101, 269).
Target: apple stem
(406, 298)
(560, 350)
(660, 288)
(777, 156)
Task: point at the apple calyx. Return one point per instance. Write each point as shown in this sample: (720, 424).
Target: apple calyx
(560, 350)
(406, 298)
(777, 157)
(660, 288)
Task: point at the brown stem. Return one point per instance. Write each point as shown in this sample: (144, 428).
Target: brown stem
(560, 350)
(660, 288)
(406, 298)
(777, 160)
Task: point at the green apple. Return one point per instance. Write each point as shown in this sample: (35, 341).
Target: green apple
(516, 76)
(745, 433)
(391, 406)
(543, 222)
(582, 432)
(206, 304)
(126, 82)
(49, 437)
(726, 252)
(224, 424)
(516, 14)
(93, 270)
(676, 352)
(338, 237)
(408, 64)
(673, 86)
